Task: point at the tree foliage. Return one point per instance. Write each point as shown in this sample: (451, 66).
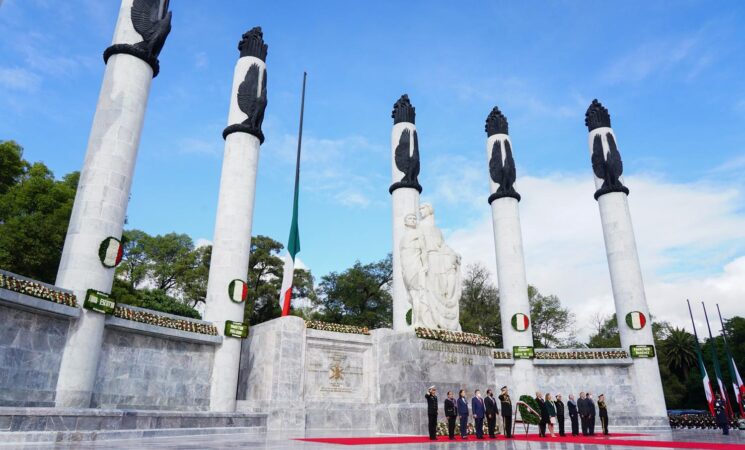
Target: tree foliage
(479, 304)
(553, 325)
(358, 296)
(34, 214)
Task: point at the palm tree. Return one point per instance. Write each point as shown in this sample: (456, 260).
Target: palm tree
(679, 351)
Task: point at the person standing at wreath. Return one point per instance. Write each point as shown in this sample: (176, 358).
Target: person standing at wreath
(573, 415)
(583, 417)
(463, 413)
(492, 411)
(560, 414)
(451, 412)
(590, 414)
(504, 400)
(431, 397)
(544, 414)
(551, 409)
(602, 407)
(479, 411)
(720, 409)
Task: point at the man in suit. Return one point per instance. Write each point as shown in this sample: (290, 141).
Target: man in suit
(463, 413)
(590, 415)
(431, 397)
(560, 414)
(720, 410)
(582, 407)
(492, 411)
(573, 413)
(479, 410)
(504, 400)
(451, 412)
(544, 414)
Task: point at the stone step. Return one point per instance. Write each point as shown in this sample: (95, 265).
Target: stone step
(14, 438)
(84, 420)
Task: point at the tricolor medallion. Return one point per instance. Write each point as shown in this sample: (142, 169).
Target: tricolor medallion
(238, 290)
(520, 322)
(636, 320)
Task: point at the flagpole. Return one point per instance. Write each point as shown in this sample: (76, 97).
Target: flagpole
(715, 358)
(300, 137)
(733, 373)
(702, 368)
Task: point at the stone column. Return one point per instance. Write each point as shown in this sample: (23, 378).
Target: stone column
(232, 240)
(623, 262)
(508, 244)
(103, 191)
(405, 192)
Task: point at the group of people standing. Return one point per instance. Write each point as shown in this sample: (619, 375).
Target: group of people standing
(489, 408)
(581, 411)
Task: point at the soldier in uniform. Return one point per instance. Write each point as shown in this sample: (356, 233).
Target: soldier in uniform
(603, 413)
(431, 397)
(451, 413)
(504, 399)
(720, 408)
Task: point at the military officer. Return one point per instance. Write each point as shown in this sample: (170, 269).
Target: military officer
(431, 397)
(720, 408)
(506, 403)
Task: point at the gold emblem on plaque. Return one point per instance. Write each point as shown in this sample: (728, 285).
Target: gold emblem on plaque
(336, 372)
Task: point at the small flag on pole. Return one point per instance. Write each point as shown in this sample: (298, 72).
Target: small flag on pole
(293, 243)
(701, 367)
(715, 360)
(733, 372)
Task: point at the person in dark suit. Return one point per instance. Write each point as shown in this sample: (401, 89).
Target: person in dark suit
(582, 407)
(543, 410)
(603, 408)
(431, 397)
(720, 409)
(451, 412)
(573, 415)
(492, 411)
(504, 400)
(590, 414)
(479, 411)
(560, 414)
(463, 413)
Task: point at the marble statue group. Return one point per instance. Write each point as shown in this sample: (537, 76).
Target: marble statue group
(431, 272)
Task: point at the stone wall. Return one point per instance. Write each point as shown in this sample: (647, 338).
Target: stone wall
(30, 352)
(147, 372)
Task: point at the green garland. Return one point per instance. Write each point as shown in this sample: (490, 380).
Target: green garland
(335, 327)
(152, 318)
(454, 337)
(525, 414)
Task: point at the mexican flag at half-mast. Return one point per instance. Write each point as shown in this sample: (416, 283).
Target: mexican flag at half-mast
(717, 369)
(701, 367)
(293, 243)
(733, 372)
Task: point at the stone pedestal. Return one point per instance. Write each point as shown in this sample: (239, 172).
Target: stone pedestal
(232, 241)
(100, 206)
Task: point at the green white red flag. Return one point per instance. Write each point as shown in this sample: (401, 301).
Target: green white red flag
(293, 243)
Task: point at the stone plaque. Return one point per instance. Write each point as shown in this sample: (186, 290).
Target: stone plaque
(336, 373)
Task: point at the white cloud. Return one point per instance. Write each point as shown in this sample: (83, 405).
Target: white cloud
(202, 242)
(690, 238)
(19, 79)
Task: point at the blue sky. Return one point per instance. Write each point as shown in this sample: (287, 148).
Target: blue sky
(671, 74)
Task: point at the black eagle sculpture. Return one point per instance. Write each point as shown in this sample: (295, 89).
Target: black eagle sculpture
(252, 102)
(407, 161)
(152, 20)
(501, 163)
(606, 166)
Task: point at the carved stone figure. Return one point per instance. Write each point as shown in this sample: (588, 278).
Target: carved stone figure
(431, 273)
(606, 166)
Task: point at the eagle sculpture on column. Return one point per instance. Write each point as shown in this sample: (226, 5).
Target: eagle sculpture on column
(407, 161)
(251, 101)
(153, 22)
(501, 163)
(607, 166)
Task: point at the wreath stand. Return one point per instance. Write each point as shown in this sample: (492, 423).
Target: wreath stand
(526, 425)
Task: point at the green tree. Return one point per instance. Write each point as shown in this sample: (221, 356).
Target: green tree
(12, 165)
(553, 325)
(606, 333)
(358, 296)
(34, 214)
(194, 284)
(171, 261)
(134, 265)
(679, 351)
(479, 304)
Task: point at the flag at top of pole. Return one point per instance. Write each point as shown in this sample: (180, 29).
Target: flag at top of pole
(708, 390)
(293, 243)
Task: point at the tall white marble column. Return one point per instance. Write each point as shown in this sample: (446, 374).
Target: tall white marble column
(623, 262)
(103, 191)
(232, 240)
(405, 192)
(508, 244)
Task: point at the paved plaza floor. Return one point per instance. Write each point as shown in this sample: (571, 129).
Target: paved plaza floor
(677, 439)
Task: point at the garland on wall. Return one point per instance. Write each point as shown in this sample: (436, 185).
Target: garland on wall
(163, 321)
(455, 337)
(499, 354)
(583, 354)
(336, 327)
(37, 290)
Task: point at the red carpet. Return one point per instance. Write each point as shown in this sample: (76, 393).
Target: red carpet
(613, 439)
